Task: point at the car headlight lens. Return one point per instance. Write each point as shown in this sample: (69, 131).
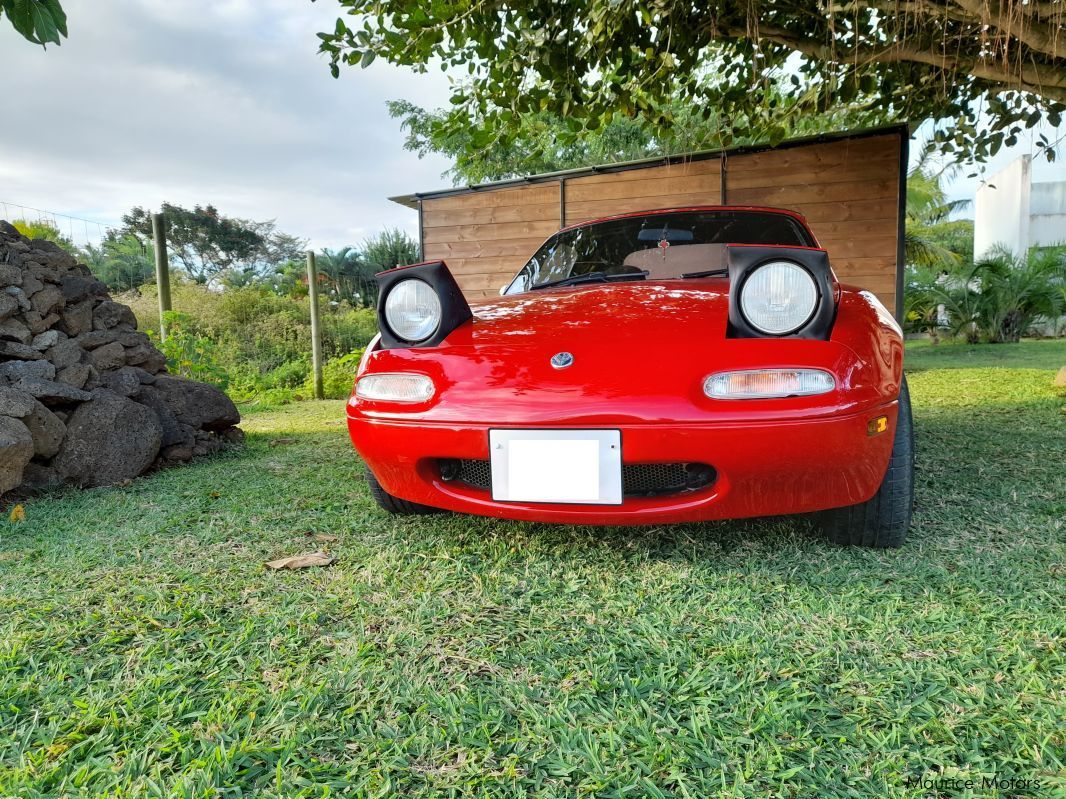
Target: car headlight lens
(395, 387)
(412, 310)
(778, 297)
(766, 383)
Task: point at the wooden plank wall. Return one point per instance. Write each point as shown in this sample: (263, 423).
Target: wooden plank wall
(486, 237)
(848, 190)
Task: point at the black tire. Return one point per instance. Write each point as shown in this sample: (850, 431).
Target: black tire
(392, 504)
(883, 521)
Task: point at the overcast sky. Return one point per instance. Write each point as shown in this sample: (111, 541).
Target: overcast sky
(221, 101)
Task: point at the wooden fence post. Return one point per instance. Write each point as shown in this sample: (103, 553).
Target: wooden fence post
(162, 270)
(316, 332)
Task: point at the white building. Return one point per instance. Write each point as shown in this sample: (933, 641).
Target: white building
(1012, 210)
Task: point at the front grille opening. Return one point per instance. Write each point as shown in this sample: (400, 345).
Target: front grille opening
(638, 479)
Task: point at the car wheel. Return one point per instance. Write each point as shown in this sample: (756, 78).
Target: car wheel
(882, 522)
(393, 504)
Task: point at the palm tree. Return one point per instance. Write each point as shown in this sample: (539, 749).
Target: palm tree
(390, 248)
(1015, 292)
(347, 275)
(1002, 296)
(929, 213)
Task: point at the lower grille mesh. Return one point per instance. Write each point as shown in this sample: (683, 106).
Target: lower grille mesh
(638, 479)
(476, 473)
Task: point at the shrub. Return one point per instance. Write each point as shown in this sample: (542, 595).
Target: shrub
(188, 353)
(338, 376)
(254, 342)
(998, 299)
(41, 229)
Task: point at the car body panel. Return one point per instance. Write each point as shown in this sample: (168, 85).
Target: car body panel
(641, 351)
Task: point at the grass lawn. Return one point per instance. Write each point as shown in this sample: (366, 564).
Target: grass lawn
(145, 651)
(1029, 354)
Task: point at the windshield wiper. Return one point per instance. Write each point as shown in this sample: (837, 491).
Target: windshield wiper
(706, 273)
(591, 277)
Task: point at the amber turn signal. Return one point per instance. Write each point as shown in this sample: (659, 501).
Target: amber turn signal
(877, 426)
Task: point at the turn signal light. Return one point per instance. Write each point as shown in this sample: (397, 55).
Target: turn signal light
(395, 387)
(877, 426)
(767, 383)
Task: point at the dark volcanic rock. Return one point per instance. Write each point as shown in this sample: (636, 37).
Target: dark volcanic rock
(65, 353)
(109, 439)
(121, 381)
(46, 429)
(16, 449)
(110, 314)
(8, 305)
(77, 319)
(12, 349)
(197, 404)
(76, 288)
(174, 432)
(47, 300)
(10, 275)
(15, 330)
(16, 370)
(77, 375)
(49, 391)
(95, 338)
(37, 476)
(84, 396)
(109, 356)
(15, 402)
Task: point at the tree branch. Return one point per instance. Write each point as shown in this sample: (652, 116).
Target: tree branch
(1046, 81)
(1043, 38)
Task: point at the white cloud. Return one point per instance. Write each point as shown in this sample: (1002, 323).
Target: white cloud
(224, 101)
(206, 101)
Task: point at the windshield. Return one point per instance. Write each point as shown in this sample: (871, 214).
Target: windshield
(656, 246)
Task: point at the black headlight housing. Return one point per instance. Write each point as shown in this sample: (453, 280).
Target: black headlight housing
(454, 309)
(743, 260)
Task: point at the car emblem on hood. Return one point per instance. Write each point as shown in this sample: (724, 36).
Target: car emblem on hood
(561, 360)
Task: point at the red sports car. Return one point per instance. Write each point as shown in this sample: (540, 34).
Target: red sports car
(665, 366)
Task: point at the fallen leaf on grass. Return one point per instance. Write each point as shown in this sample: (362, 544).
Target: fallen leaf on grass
(302, 561)
(18, 514)
(277, 442)
(323, 538)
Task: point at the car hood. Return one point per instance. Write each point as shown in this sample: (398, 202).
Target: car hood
(606, 313)
(641, 352)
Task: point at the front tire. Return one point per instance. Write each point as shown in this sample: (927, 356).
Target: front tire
(882, 522)
(391, 504)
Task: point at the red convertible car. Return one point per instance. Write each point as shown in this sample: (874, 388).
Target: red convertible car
(665, 366)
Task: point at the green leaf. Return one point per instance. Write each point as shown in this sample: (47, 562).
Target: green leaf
(38, 21)
(367, 59)
(59, 16)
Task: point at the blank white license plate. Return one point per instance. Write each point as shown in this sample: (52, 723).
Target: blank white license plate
(581, 467)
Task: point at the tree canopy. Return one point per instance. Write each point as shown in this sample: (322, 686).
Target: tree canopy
(983, 71)
(210, 246)
(39, 21)
(541, 144)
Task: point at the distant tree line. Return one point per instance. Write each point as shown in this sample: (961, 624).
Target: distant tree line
(208, 248)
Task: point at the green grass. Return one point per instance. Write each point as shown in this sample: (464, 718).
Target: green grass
(1027, 354)
(145, 651)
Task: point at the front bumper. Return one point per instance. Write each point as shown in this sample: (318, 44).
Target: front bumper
(764, 468)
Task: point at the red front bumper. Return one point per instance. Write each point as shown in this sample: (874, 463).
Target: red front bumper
(763, 468)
